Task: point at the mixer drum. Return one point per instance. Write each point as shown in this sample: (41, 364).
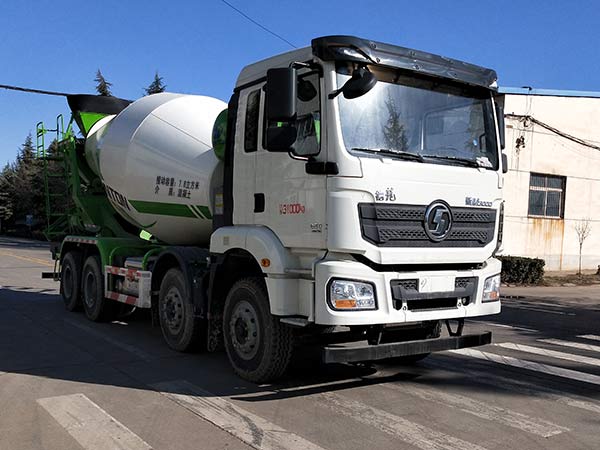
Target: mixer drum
(156, 161)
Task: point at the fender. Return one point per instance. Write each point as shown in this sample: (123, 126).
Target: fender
(259, 241)
(263, 244)
(193, 262)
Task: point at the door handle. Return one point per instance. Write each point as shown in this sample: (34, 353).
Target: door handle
(259, 202)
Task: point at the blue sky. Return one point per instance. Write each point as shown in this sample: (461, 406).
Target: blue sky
(200, 46)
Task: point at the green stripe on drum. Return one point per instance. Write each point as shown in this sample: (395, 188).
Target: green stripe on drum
(205, 211)
(169, 209)
(197, 212)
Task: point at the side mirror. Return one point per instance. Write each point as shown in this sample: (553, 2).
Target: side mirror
(362, 81)
(281, 95)
(280, 109)
(501, 125)
(280, 139)
(504, 163)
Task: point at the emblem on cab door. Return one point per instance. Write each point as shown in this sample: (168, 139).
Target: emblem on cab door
(437, 221)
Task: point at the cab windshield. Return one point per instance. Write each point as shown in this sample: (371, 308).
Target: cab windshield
(425, 119)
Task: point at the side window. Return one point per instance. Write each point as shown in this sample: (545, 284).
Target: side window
(251, 128)
(308, 122)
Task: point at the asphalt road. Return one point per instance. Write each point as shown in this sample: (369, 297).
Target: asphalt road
(66, 383)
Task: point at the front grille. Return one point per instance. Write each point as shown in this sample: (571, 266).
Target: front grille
(462, 282)
(409, 285)
(406, 293)
(390, 225)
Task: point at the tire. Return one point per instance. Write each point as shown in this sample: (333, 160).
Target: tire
(181, 330)
(258, 345)
(70, 281)
(96, 307)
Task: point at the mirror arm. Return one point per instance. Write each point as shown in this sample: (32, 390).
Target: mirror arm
(307, 65)
(335, 93)
(298, 65)
(298, 157)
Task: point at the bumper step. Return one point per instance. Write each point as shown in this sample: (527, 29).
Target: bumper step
(354, 353)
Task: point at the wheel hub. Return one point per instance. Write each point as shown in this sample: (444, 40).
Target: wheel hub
(67, 281)
(244, 330)
(90, 290)
(173, 310)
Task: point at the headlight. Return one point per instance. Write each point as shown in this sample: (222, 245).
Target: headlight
(351, 295)
(491, 289)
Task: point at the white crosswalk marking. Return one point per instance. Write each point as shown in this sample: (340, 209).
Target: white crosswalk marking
(591, 337)
(530, 365)
(246, 426)
(578, 345)
(550, 353)
(526, 388)
(91, 426)
(483, 410)
(412, 433)
(533, 308)
(502, 325)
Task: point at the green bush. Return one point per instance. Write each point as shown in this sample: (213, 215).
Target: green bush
(517, 269)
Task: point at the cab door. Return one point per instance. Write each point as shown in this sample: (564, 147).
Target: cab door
(246, 145)
(287, 199)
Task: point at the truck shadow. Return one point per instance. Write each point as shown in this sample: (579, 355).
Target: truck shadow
(39, 338)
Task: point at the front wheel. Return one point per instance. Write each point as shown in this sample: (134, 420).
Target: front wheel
(258, 345)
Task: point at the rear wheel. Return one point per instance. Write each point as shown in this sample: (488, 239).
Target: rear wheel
(258, 345)
(70, 281)
(96, 307)
(182, 331)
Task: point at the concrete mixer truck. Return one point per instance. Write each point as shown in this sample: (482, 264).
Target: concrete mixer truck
(348, 199)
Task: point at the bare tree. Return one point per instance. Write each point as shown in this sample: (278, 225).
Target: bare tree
(583, 228)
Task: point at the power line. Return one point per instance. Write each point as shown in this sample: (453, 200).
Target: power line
(258, 24)
(33, 91)
(524, 118)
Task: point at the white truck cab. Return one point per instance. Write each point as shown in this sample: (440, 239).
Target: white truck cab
(368, 180)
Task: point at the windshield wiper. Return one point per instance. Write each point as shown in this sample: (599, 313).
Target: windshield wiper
(400, 154)
(454, 159)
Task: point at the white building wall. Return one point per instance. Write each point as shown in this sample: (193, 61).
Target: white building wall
(545, 152)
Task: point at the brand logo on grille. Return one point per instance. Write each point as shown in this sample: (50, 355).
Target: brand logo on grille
(438, 221)
(472, 201)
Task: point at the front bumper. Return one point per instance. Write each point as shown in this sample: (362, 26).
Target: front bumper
(352, 353)
(426, 303)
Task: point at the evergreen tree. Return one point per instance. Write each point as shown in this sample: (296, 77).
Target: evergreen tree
(27, 187)
(6, 205)
(22, 190)
(394, 131)
(157, 86)
(102, 86)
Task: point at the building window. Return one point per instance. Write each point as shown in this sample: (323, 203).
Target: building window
(546, 195)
